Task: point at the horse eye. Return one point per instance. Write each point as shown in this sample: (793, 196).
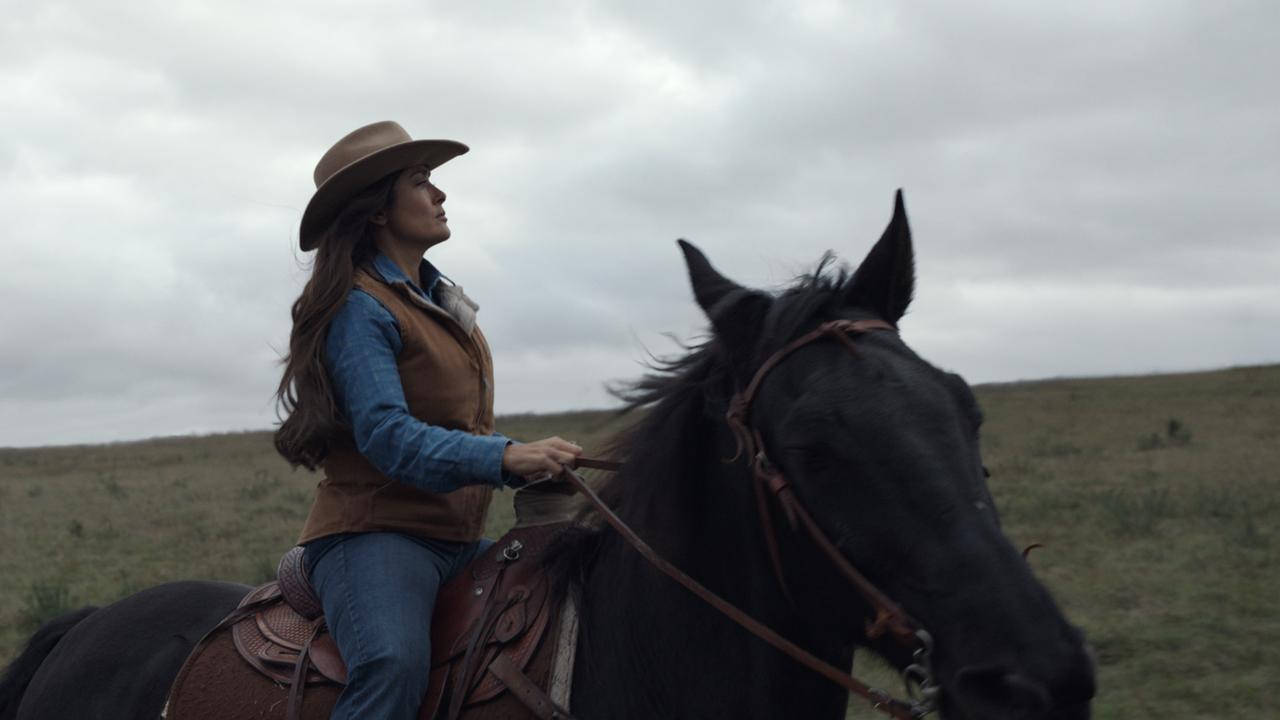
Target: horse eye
(811, 456)
(975, 415)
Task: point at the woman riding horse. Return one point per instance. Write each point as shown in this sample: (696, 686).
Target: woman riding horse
(388, 388)
(880, 449)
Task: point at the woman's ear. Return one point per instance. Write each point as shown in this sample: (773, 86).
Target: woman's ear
(379, 218)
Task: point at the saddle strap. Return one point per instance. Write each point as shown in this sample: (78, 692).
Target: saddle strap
(526, 690)
(469, 660)
(294, 709)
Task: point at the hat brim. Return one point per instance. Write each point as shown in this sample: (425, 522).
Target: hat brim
(332, 196)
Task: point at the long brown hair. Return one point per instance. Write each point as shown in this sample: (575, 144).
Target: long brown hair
(305, 396)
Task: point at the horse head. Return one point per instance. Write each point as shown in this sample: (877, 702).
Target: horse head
(883, 450)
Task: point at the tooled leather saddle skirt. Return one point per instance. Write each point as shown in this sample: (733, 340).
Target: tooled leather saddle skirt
(490, 631)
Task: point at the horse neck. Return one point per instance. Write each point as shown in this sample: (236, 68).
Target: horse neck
(649, 647)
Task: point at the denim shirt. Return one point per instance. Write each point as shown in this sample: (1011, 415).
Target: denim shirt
(360, 354)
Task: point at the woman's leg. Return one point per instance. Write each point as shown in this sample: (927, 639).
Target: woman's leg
(378, 591)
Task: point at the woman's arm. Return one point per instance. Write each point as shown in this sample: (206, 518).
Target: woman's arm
(360, 354)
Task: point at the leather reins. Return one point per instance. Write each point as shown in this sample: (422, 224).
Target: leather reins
(889, 617)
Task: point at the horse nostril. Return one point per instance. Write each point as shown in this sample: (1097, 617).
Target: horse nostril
(995, 692)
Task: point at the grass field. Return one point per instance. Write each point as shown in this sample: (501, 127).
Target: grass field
(1157, 499)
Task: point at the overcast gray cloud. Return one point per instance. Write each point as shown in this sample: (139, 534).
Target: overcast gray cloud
(1090, 183)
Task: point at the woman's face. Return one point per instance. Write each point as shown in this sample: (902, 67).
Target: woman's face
(416, 215)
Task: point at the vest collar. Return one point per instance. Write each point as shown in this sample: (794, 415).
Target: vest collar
(446, 297)
(391, 274)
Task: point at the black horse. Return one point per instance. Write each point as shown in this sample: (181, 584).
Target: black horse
(880, 446)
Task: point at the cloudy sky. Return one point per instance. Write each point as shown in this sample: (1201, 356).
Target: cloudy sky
(1091, 184)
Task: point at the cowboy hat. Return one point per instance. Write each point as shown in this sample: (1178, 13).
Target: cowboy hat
(358, 160)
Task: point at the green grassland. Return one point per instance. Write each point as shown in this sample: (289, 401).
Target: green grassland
(1157, 500)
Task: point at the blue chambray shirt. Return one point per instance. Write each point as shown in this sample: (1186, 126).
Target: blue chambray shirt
(360, 354)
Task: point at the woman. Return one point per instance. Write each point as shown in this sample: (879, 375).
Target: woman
(388, 386)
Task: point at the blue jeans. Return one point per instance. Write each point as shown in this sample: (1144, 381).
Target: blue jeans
(378, 591)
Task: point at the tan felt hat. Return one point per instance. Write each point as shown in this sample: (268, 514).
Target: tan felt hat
(358, 160)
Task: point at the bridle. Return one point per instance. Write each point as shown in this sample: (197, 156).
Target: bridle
(769, 481)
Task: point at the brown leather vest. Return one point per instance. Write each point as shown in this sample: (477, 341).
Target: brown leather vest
(448, 382)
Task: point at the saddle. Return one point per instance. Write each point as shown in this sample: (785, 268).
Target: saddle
(489, 624)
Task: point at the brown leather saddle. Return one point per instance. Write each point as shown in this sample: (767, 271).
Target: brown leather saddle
(488, 623)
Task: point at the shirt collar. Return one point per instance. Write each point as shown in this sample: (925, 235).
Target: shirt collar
(429, 275)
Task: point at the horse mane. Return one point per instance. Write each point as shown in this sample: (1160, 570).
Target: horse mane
(680, 398)
(701, 368)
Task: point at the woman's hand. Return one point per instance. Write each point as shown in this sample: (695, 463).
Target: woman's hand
(540, 460)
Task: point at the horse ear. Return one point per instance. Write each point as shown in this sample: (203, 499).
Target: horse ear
(735, 312)
(886, 278)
